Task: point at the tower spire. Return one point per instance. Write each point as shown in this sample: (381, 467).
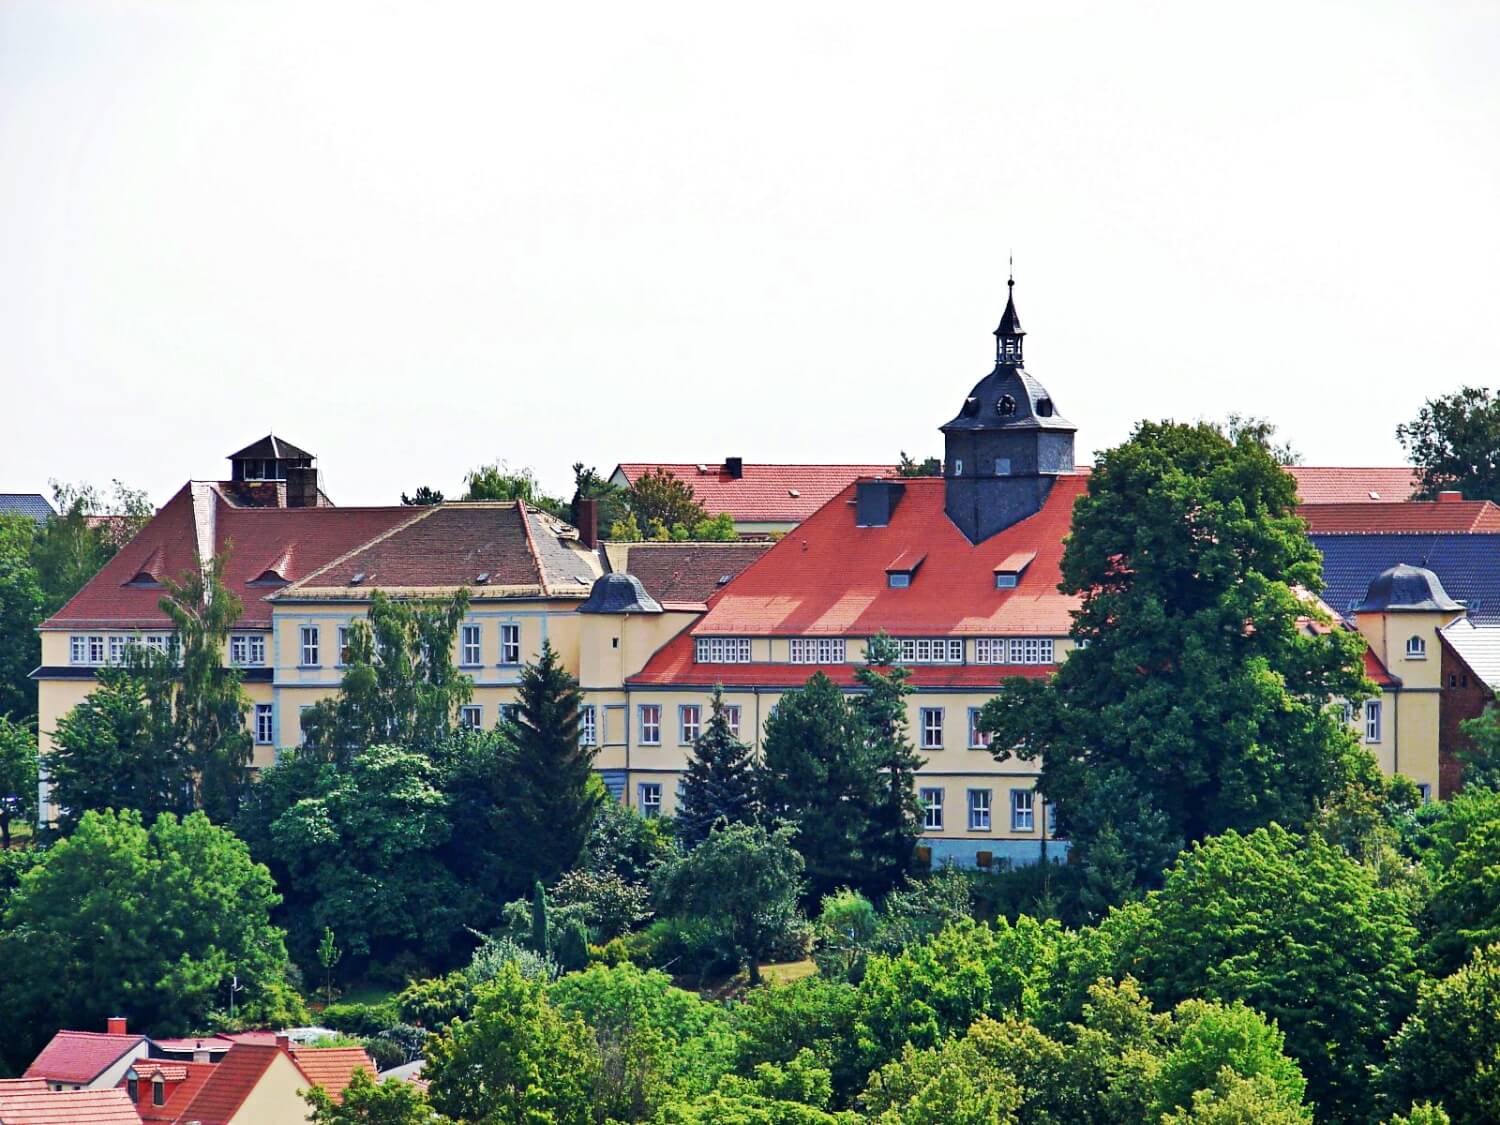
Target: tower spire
(1009, 335)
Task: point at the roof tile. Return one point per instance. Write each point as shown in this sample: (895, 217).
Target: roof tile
(764, 493)
(80, 1056)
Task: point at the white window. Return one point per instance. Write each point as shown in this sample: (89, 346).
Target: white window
(1372, 720)
(649, 798)
(1416, 648)
(343, 645)
(989, 650)
(932, 728)
(1030, 650)
(469, 649)
(117, 647)
(1049, 817)
(932, 650)
(722, 650)
(650, 724)
(958, 467)
(818, 650)
(1425, 791)
(1006, 579)
(932, 809)
(978, 739)
(310, 646)
(265, 728)
(1022, 810)
(732, 717)
(246, 649)
(510, 644)
(689, 719)
(588, 725)
(96, 650)
(470, 716)
(162, 643)
(979, 810)
(78, 649)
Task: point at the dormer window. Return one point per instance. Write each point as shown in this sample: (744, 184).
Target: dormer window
(898, 581)
(158, 1091)
(1416, 648)
(1006, 406)
(132, 1086)
(903, 569)
(1008, 573)
(268, 578)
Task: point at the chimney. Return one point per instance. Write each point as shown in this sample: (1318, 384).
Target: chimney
(301, 488)
(115, 1025)
(586, 512)
(1449, 496)
(283, 1043)
(875, 501)
(201, 1053)
(735, 467)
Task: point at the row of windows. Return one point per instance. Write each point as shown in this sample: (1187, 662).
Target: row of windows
(470, 639)
(930, 729)
(914, 650)
(818, 650)
(980, 807)
(247, 649)
(722, 650)
(689, 722)
(100, 649)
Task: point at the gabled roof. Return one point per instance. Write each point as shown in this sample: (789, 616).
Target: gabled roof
(232, 1079)
(1478, 647)
(764, 493)
(1464, 562)
(81, 1056)
(272, 447)
(1328, 484)
(1408, 516)
(684, 572)
(333, 1067)
(23, 1104)
(181, 1083)
(33, 505)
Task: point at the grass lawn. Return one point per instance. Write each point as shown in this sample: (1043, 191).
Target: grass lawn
(727, 988)
(363, 992)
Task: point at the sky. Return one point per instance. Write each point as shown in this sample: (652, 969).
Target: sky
(417, 238)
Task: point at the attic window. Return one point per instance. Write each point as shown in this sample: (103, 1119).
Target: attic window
(970, 407)
(144, 579)
(484, 576)
(1416, 648)
(898, 581)
(268, 578)
(1008, 573)
(903, 569)
(1374, 496)
(359, 576)
(1006, 406)
(793, 492)
(1044, 407)
(724, 579)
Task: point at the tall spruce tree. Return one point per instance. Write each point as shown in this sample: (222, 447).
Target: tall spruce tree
(896, 817)
(720, 782)
(818, 774)
(554, 792)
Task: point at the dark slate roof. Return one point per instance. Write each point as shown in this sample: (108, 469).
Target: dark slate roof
(981, 409)
(619, 593)
(271, 446)
(1467, 565)
(1010, 322)
(1405, 587)
(32, 504)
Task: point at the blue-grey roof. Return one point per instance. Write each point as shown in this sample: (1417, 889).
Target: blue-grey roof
(1467, 564)
(1404, 587)
(32, 504)
(619, 593)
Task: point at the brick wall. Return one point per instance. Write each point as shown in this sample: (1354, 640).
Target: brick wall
(1464, 696)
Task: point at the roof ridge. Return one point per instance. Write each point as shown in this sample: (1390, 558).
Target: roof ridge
(536, 556)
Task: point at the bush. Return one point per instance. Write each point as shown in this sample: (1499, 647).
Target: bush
(385, 1053)
(607, 903)
(361, 1019)
(433, 1002)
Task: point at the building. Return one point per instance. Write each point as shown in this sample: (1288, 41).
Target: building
(88, 1060)
(33, 505)
(30, 1101)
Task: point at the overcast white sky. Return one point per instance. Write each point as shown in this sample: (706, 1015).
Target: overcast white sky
(414, 238)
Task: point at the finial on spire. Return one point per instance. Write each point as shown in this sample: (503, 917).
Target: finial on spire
(1012, 280)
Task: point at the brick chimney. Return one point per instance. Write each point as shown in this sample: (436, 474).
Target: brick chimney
(1449, 496)
(115, 1025)
(734, 467)
(302, 488)
(587, 511)
(283, 1043)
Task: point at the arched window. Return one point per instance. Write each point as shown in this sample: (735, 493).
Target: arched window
(1416, 648)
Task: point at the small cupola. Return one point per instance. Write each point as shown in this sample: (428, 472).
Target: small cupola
(1407, 589)
(619, 593)
(1009, 336)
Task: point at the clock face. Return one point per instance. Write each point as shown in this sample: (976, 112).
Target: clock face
(1006, 406)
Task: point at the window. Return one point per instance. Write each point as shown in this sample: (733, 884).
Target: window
(958, 467)
(1049, 817)
(1425, 791)
(1007, 405)
(732, 717)
(246, 648)
(265, 730)
(1372, 721)
(1030, 650)
(1002, 466)
(158, 1091)
(1006, 580)
(932, 809)
(510, 644)
(818, 650)
(989, 650)
(310, 646)
(509, 712)
(722, 650)
(649, 797)
(132, 1087)
(932, 650)
(343, 645)
(932, 728)
(117, 647)
(1348, 710)
(470, 716)
(978, 739)
(689, 719)
(166, 644)
(979, 810)
(1022, 810)
(468, 648)
(588, 725)
(650, 724)
(1416, 648)
(898, 580)
(86, 650)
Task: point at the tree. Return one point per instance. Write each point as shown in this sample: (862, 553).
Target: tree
(328, 956)
(1446, 1052)
(1454, 442)
(498, 481)
(18, 764)
(553, 793)
(366, 1101)
(588, 484)
(423, 497)
(153, 921)
(656, 496)
(896, 818)
(21, 604)
(817, 773)
(400, 684)
(1298, 931)
(1481, 754)
(911, 467)
(744, 881)
(1263, 431)
(846, 928)
(517, 1061)
(1197, 700)
(75, 543)
(1462, 855)
(720, 780)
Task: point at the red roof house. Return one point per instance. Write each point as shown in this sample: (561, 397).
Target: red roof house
(758, 497)
(30, 1102)
(88, 1059)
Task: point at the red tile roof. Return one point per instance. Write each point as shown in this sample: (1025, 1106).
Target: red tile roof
(1325, 484)
(333, 1067)
(182, 1081)
(29, 1106)
(1412, 516)
(1377, 671)
(80, 1056)
(686, 572)
(764, 493)
(230, 1082)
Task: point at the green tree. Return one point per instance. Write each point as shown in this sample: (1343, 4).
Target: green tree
(1481, 755)
(1298, 931)
(498, 481)
(155, 922)
(744, 881)
(423, 497)
(1463, 857)
(1260, 430)
(540, 930)
(1454, 442)
(588, 484)
(656, 496)
(329, 955)
(18, 766)
(846, 930)
(626, 529)
(401, 685)
(517, 1061)
(896, 818)
(1199, 701)
(1446, 1051)
(720, 780)
(911, 467)
(21, 604)
(366, 1101)
(74, 544)
(817, 772)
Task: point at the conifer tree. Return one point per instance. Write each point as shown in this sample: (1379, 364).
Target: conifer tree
(720, 781)
(896, 816)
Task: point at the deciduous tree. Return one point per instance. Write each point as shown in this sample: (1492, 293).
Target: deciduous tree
(656, 496)
(18, 766)
(1454, 442)
(367, 1101)
(21, 603)
(87, 531)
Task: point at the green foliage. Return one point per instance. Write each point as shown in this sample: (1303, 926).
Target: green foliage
(923, 906)
(21, 604)
(1423, 1113)
(1459, 847)
(1199, 702)
(155, 922)
(517, 1061)
(400, 686)
(1446, 1052)
(744, 882)
(497, 951)
(1481, 757)
(73, 545)
(329, 955)
(626, 529)
(361, 1019)
(605, 902)
(539, 927)
(497, 481)
(437, 1000)
(896, 818)
(1454, 442)
(18, 774)
(365, 1101)
(1262, 431)
(845, 931)
(659, 497)
(423, 497)
(776, 1023)
(1298, 931)
(622, 842)
(719, 783)
(911, 467)
(588, 484)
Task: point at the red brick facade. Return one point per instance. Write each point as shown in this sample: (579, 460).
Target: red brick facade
(1464, 697)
